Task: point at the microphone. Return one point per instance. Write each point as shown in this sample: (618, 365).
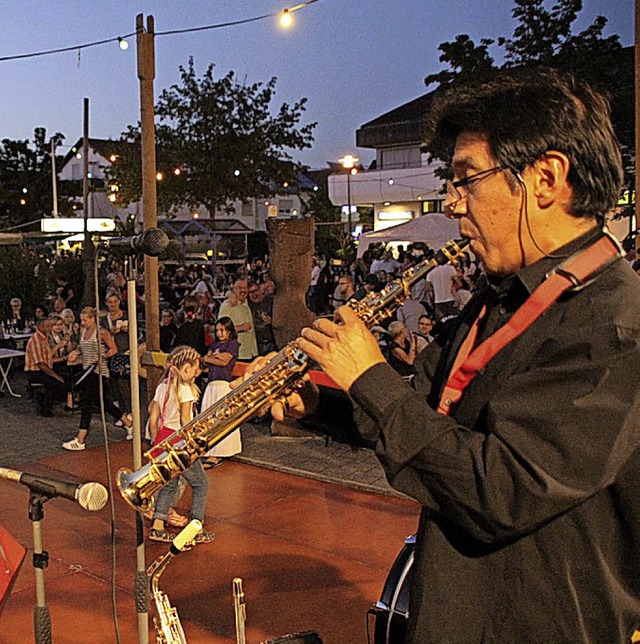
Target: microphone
(90, 496)
(152, 242)
(185, 536)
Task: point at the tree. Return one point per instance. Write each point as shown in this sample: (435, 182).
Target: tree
(544, 37)
(25, 178)
(216, 141)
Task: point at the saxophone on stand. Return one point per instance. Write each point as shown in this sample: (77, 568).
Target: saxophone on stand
(255, 395)
(167, 623)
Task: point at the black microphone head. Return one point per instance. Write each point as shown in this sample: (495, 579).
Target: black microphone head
(92, 496)
(152, 242)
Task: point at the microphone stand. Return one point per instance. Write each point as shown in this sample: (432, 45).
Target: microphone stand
(41, 616)
(141, 585)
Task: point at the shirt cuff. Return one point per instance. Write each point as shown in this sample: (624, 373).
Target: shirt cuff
(379, 388)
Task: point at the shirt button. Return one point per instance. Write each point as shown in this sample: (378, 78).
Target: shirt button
(502, 310)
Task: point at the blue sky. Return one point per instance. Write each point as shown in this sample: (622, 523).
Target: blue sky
(352, 59)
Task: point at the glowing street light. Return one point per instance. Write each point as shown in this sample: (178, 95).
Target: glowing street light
(348, 162)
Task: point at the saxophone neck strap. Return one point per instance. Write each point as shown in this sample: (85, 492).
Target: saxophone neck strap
(574, 273)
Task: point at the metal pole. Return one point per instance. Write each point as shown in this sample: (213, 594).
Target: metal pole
(54, 176)
(146, 75)
(349, 205)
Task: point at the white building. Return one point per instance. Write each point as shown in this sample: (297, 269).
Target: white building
(402, 186)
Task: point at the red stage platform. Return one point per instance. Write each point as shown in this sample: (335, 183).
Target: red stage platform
(312, 556)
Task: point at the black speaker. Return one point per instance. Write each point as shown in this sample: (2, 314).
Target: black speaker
(308, 637)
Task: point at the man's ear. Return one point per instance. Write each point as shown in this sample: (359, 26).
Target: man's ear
(551, 173)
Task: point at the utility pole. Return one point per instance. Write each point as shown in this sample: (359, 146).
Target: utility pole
(146, 74)
(88, 249)
(54, 175)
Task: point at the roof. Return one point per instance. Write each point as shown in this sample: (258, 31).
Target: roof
(205, 226)
(103, 147)
(401, 126)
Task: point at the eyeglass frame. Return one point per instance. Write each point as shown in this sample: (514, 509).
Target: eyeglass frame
(453, 186)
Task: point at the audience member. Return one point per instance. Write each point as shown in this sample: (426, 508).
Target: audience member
(344, 291)
(191, 332)
(168, 330)
(60, 346)
(409, 313)
(440, 281)
(38, 364)
(261, 307)
(402, 350)
(242, 319)
(116, 321)
(89, 349)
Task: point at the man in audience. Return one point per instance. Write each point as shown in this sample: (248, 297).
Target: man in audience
(39, 368)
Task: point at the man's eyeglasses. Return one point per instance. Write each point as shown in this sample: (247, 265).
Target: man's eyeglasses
(453, 187)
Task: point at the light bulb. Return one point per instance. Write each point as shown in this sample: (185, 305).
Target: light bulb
(286, 19)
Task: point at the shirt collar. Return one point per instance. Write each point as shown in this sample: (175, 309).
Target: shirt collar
(528, 278)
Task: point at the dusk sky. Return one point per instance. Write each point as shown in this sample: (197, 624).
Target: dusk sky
(352, 59)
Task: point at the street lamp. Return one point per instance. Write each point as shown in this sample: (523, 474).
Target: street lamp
(348, 162)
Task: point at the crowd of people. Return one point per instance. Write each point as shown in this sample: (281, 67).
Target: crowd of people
(428, 312)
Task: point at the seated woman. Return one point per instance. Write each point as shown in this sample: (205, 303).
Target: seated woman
(402, 350)
(221, 359)
(60, 346)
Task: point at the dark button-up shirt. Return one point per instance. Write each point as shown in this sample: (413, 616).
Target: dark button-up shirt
(530, 529)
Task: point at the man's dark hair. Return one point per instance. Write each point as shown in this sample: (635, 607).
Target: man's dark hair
(525, 114)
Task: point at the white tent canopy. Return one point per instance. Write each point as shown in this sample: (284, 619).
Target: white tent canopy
(433, 229)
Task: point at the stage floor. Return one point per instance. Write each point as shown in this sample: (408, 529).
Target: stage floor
(312, 556)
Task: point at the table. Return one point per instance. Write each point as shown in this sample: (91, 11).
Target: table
(19, 338)
(7, 355)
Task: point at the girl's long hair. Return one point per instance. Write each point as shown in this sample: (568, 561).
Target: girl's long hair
(179, 357)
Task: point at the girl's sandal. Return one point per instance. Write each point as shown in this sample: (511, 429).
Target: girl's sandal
(160, 535)
(204, 537)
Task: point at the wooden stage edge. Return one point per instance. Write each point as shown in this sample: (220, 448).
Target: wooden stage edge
(313, 556)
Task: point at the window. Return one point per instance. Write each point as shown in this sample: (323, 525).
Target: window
(432, 205)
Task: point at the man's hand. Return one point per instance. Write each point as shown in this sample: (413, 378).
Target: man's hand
(344, 351)
(302, 402)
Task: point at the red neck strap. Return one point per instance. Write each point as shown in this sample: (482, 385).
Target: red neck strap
(572, 273)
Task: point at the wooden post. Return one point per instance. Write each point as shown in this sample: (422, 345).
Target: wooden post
(146, 74)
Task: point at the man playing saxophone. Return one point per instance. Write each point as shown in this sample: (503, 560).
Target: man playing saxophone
(522, 441)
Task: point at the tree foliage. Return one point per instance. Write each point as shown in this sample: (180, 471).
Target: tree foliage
(223, 138)
(26, 191)
(25, 276)
(544, 37)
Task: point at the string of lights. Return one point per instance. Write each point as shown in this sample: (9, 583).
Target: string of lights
(122, 38)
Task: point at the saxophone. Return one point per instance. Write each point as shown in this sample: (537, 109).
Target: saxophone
(167, 623)
(276, 380)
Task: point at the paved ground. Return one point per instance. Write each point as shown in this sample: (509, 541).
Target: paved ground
(26, 437)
